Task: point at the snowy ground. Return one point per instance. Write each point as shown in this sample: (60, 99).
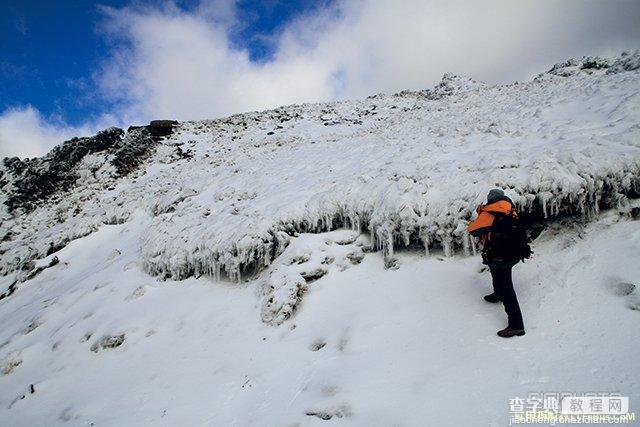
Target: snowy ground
(372, 347)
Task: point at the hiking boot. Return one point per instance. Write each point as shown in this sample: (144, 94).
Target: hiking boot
(509, 332)
(492, 298)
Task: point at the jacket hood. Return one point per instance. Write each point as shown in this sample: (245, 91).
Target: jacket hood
(504, 205)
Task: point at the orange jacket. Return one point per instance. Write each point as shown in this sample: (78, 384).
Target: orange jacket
(481, 226)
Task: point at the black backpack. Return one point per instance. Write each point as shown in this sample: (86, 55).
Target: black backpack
(509, 240)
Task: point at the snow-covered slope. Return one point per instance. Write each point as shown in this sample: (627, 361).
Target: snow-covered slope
(370, 347)
(225, 195)
(142, 273)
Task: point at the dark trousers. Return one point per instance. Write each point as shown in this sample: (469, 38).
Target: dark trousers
(503, 288)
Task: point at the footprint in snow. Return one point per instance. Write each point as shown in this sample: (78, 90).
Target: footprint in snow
(329, 390)
(114, 254)
(622, 289)
(67, 415)
(30, 390)
(108, 341)
(137, 293)
(342, 411)
(101, 285)
(10, 363)
(33, 325)
(628, 291)
(344, 340)
(328, 259)
(317, 344)
(130, 265)
(634, 302)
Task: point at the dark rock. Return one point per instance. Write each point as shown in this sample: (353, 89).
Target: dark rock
(320, 414)
(594, 63)
(184, 154)
(132, 127)
(53, 248)
(162, 127)
(35, 271)
(313, 274)
(12, 288)
(355, 257)
(391, 263)
(317, 345)
(133, 150)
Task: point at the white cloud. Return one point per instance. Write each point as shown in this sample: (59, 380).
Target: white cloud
(181, 65)
(165, 62)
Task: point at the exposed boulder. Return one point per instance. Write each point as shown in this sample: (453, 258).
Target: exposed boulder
(162, 127)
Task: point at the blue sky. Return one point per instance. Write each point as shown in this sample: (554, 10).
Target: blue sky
(49, 49)
(72, 67)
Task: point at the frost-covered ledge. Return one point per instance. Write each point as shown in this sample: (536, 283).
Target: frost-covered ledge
(200, 251)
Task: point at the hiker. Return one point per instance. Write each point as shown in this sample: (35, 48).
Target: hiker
(503, 244)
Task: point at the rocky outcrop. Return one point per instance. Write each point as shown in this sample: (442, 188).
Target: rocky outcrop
(30, 182)
(162, 127)
(628, 61)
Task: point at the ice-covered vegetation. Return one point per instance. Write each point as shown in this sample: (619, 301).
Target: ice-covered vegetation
(227, 195)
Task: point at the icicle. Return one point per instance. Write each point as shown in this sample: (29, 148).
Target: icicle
(447, 246)
(426, 240)
(385, 237)
(356, 222)
(465, 243)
